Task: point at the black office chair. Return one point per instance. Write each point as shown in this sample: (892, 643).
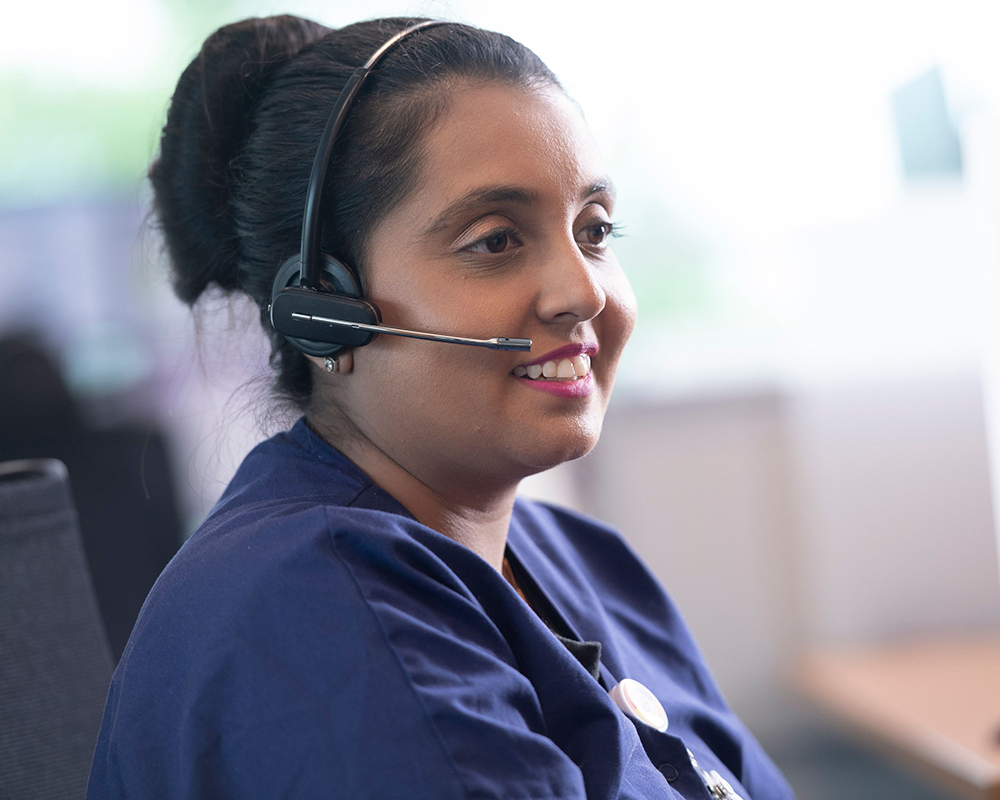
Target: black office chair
(55, 663)
(120, 478)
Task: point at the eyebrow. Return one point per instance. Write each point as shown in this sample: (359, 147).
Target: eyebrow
(492, 195)
(489, 195)
(600, 186)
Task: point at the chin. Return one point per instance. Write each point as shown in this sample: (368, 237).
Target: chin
(557, 450)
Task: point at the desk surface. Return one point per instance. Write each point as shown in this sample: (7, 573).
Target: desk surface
(934, 702)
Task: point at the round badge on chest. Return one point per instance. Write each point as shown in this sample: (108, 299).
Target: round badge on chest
(639, 703)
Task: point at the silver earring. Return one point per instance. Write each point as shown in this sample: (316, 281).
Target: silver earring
(331, 364)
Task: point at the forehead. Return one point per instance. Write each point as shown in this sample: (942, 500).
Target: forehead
(493, 135)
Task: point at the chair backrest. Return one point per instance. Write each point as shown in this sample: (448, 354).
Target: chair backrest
(120, 478)
(55, 663)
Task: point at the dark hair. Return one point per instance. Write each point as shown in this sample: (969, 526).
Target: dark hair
(242, 130)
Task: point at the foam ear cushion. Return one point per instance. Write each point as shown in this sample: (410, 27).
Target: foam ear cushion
(336, 277)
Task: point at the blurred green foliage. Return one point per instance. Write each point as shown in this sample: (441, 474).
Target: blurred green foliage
(668, 267)
(67, 139)
(58, 141)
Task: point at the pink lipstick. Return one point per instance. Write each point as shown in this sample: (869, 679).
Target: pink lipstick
(579, 387)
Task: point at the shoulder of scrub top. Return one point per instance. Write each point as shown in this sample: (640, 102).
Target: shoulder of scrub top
(302, 645)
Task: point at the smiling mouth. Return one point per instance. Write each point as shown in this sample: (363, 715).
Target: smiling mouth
(563, 369)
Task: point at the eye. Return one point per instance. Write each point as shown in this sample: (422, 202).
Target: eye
(597, 234)
(499, 241)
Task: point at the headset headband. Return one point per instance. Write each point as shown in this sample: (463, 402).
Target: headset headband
(312, 223)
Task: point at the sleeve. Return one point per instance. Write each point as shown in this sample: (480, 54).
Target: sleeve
(355, 665)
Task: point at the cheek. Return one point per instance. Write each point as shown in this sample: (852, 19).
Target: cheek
(453, 305)
(405, 385)
(620, 312)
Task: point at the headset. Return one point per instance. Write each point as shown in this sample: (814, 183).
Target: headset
(316, 301)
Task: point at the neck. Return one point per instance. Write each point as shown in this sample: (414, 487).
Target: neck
(475, 517)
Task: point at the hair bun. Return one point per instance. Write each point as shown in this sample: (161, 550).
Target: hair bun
(209, 121)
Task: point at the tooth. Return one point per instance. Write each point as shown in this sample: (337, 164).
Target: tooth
(534, 371)
(520, 371)
(565, 369)
(549, 369)
(581, 365)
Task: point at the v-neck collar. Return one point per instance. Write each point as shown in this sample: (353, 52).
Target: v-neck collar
(567, 592)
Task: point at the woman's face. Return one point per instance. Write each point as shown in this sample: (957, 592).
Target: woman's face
(506, 233)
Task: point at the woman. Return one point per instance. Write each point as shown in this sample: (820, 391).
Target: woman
(368, 611)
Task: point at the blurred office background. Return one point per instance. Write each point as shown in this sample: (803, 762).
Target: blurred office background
(799, 442)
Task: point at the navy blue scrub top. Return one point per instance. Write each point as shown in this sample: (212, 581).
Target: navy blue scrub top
(313, 640)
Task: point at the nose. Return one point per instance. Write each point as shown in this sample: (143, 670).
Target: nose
(571, 289)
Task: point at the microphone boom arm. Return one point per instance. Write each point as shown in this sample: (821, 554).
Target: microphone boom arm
(496, 343)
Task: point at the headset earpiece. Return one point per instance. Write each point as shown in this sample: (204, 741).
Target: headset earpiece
(339, 297)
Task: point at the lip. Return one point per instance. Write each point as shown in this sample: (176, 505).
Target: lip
(581, 387)
(566, 351)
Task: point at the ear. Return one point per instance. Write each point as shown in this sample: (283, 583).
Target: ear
(344, 359)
